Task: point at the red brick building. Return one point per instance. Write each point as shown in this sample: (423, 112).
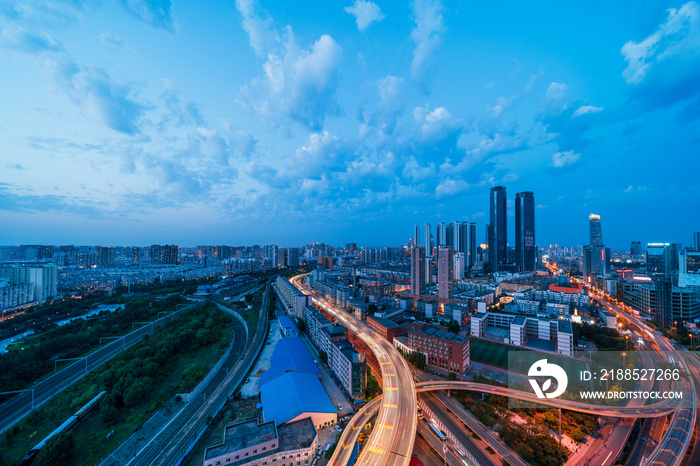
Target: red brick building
(444, 350)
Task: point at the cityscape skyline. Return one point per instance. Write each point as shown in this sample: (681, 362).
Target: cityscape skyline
(147, 122)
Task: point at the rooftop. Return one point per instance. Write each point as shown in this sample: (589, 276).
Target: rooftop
(386, 323)
(479, 315)
(290, 355)
(242, 435)
(564, 326)
(291, 394)
(520, 320)
(437, 332)
(286, 322)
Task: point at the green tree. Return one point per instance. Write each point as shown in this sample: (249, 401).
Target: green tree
(417, 359)
(323, 355)
(373, 388)
(451, 376)
(453, 326)
(58, 450)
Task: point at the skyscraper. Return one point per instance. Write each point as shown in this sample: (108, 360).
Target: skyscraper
(473, 244)
(525, 254)
(636, 249)
(449, 235)
(445, 271)
(659, 259)
(428, 240)
(416, 235)
(417, 270)
(498, 233)
(696, 241)
(663, 309)
(441, 234)
(595, 230)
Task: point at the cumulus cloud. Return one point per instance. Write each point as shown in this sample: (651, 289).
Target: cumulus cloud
(427, 35)
(298, 83)
(154, 12)
(116, 104)
(562, 159)
(365, 13)
(30, 42)
(678, 35)
(450, 187)
(584, 109)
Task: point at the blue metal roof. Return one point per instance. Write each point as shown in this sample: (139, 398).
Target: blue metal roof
(290, 355)
(291, 394)
(286, 322)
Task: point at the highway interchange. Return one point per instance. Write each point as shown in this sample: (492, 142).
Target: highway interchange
(670, 450)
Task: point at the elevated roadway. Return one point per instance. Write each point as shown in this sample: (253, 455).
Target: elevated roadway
(391, 441)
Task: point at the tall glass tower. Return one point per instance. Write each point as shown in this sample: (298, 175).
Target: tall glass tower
(596, 232)
(498, 233)
(525, 254)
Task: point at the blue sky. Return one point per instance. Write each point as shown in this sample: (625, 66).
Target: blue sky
(134, 121)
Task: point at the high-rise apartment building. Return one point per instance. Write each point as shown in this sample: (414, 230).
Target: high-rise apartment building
(428, 242)
(441, 235)
(473, 245)
(417, 270)
(169, 254)
(155, 254)
(104, 256)
(445, 271)
(525, 254)
(498, 231)
(596, 233)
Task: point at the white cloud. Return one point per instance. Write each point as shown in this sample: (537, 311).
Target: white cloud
(450, 187)
(436, 124)
(365, 13)
(556, 91)
(298, 83)
(427, 35)
(561, 159)
(584, 109)
(261, 34)
(678, 36)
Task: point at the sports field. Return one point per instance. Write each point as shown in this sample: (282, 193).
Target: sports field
(488, 352)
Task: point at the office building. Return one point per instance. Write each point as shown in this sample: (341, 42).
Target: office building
(636, 249)
(416, 235)
(663, 311)
(417, 270)
(525, 254)
(498, 231)
(445, 271)
(659, 259)
(689, 268)
(596, 233)
(696, 241)
(252, 443)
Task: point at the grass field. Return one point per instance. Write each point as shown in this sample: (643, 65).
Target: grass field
(496, 354)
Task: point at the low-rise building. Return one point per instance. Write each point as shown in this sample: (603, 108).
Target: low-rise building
(287, 327)
(445, 350)
(250, 443)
